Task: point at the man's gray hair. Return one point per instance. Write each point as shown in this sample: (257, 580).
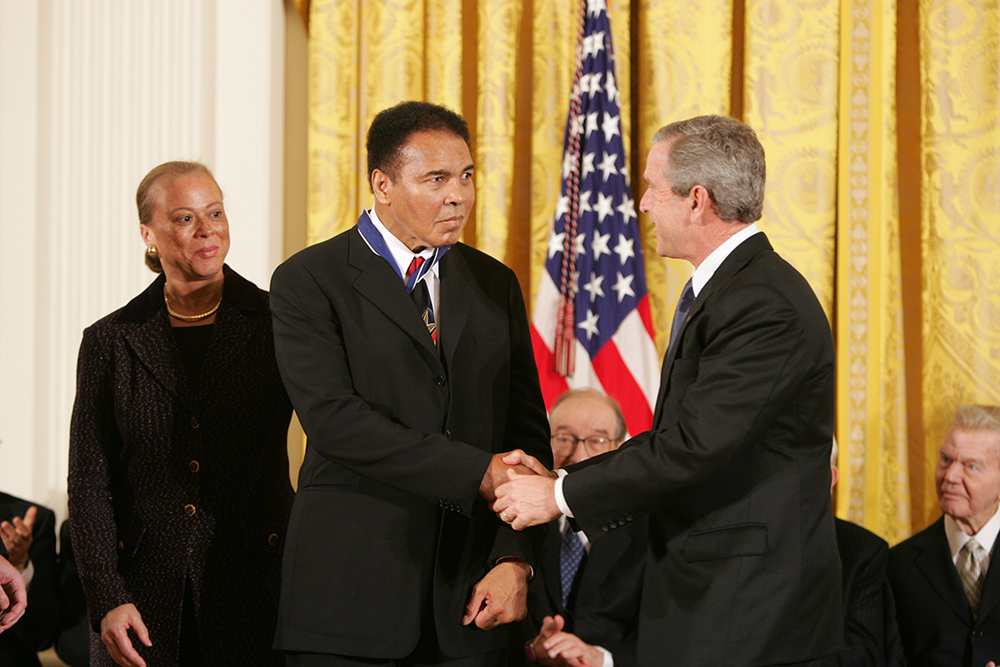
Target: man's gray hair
(722, 155)
(977, 418)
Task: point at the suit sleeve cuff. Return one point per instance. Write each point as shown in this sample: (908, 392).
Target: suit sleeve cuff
(560, 498)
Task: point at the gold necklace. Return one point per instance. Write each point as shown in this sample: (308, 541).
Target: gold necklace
(189, 318)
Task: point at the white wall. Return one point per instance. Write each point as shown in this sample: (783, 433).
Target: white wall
(94, 94)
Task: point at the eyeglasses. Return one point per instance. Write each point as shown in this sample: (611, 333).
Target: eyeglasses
(564, 444)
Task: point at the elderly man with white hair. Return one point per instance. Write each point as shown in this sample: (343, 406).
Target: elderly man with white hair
(947, 595)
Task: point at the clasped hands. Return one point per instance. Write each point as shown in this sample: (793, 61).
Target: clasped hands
(521, 489)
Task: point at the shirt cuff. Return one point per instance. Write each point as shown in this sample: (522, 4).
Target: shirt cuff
(28, 573)
(560, 498)
(609, 660)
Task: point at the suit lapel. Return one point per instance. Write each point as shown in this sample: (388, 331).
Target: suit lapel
(737, 259)
(456, 300)
(935, 564)
(152, 344)
(379, 284)
(229, 340)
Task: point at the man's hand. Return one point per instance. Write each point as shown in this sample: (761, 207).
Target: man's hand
(114, 634)
(500, 597)
(527, 500)
(13, 597)
(555, 648)
(496, 474)
(17, 537)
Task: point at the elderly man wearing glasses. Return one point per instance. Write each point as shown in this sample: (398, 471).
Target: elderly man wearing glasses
(584, 599)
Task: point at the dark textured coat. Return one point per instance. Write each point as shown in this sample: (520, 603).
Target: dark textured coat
(36, 630)
(171, 483)
(387, 527)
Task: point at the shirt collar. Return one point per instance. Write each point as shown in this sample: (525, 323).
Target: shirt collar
(707, 269)
(400, 253)
(986, 536)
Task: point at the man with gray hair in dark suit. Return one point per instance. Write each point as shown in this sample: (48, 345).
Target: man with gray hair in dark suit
(947, 595)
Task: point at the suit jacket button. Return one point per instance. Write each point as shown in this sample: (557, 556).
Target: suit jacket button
(121, 545)
(272, 539)
(605, 528)
(189, 509)
(194, 466)
(194, 422)
(440, 381)
(447, 433)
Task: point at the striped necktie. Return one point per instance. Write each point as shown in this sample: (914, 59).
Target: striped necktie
(970, 570)
(422, 297)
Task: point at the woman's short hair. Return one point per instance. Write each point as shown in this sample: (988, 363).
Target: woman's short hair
(148, 194)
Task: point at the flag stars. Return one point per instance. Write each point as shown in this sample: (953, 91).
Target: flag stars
(588, 164)
(576, 124)
(595, 83)
(604, 206)
(594, 287)
(600, 245)
(584, 204)
(608, 165)
(595, 7)
(592, 122)
(611, 126)
(581, 238)
(589, 324)
(562, 206)
(556, 242)
(611, 88)
(593, 44)
(627, 208)
(623, 287)
(624, 249)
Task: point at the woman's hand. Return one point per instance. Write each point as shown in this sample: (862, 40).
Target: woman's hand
(114, 633)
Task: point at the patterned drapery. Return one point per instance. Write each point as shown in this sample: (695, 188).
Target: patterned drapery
(880, 122)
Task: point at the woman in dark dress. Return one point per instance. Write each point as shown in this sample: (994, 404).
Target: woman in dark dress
(178, 479)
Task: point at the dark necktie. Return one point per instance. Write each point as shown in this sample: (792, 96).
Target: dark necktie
(570, 556)
(683, 307)
(422, 297)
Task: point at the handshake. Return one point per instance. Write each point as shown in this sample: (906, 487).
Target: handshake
(521, 490)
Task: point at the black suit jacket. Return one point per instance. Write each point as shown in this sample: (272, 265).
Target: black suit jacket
(173, 482)
(935, 622)
(604, 606)
(387, 532)
(743, 566)
(36, 630)
(870, 634)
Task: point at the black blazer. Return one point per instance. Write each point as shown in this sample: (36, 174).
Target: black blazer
(604, 607)
(387, 527)
(743, 566)
(935, 622)
(172, 483)
(36, 630)
(871, 637)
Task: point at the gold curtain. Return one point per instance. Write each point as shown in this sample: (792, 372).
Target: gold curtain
(880, 122)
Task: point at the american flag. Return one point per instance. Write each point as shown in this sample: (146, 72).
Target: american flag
(591, 325)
